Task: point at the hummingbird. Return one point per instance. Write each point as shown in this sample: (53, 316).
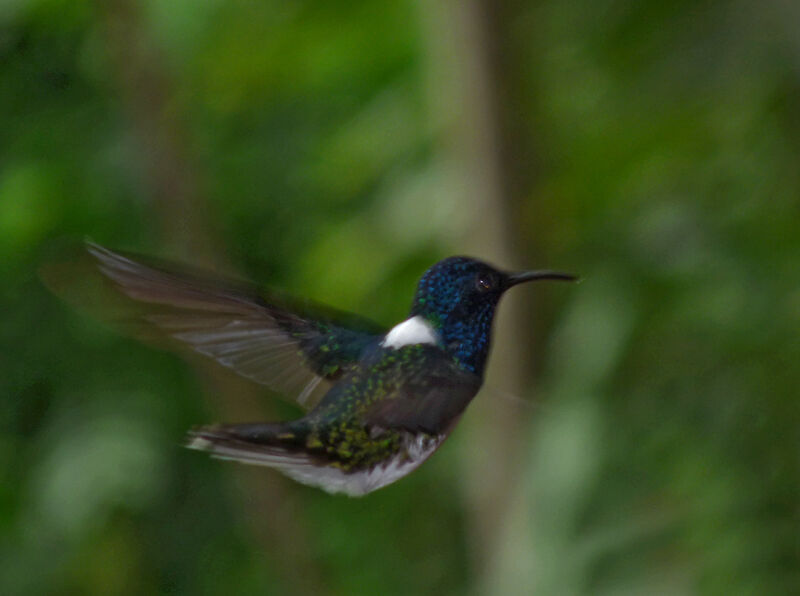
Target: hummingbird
(391, 396)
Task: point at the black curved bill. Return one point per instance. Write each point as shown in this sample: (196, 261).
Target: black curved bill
(523, 276)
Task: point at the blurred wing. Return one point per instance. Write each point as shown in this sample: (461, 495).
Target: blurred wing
(242, 329)
(430, 399)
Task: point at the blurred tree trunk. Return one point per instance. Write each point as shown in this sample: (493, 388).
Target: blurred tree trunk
(474, 92)
(173, 186)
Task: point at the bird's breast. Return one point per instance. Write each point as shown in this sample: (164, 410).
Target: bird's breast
(355, 482)
(412, 331)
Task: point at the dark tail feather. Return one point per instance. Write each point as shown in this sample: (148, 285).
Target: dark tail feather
(275, 445)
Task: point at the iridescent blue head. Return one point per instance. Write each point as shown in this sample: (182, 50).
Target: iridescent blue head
(458, 297)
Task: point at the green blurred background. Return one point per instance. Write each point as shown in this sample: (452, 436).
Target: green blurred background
(639, 431)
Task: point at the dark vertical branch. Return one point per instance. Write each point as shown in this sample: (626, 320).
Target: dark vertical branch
(183, 214)
(145, 92)
(475, 80)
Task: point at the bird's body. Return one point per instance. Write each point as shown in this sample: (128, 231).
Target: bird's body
(386, 416)
(393, 396)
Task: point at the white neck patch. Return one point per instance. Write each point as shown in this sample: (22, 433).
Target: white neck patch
(415, 330)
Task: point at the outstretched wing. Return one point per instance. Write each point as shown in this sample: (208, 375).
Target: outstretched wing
(258, 336)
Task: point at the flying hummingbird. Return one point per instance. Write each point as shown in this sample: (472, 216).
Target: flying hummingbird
(393, 396)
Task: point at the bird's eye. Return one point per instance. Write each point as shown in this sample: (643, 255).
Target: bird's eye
(484, 283)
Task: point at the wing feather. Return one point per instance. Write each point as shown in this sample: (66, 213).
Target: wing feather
(428, 399)
(259, 337)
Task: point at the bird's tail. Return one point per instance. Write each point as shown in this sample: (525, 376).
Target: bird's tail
(266, 444)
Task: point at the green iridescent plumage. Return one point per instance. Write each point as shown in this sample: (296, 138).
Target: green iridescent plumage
(360, 421)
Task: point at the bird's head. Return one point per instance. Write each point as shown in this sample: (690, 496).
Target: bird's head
(458, 297)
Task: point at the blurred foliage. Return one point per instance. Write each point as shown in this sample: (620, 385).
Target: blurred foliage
(665, 457)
